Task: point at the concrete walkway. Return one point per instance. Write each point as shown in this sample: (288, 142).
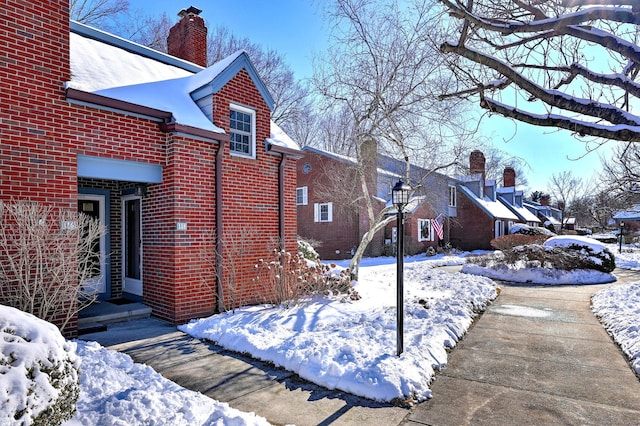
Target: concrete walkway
(537, 356)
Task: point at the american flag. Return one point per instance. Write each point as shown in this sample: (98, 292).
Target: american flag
(437, 226)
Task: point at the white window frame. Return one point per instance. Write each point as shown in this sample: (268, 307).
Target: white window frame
(302, 197)
(453, 196)
(252, 134)
(317, 212)
(498, 228)
(422, 223)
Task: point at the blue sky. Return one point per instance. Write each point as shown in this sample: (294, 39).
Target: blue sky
(296, 30)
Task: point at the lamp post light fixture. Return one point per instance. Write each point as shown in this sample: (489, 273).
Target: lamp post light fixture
(620, 237)
(400, 198)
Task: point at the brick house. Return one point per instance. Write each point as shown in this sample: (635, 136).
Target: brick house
(330, 206)
(179, 161)
(480, 216)
(550, 217)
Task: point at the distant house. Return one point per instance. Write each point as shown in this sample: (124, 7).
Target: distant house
(550, 217)
(513, 199)
(331, 210)
(480, 216)
(180, 161)
(419, 228)
(630, 217)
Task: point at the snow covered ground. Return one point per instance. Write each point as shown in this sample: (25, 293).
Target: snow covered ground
(618, 307)
(116, 391)
(350, 345)
(345, 345)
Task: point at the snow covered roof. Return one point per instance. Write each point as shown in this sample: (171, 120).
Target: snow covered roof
(348, 160)
(110, 66)
(279, 138)
(494, 209)
(100, 60)
(630, 214)
(522, 212)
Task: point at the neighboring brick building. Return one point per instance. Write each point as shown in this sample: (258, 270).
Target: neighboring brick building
(331, 211)
(480, 216)
(179, 161)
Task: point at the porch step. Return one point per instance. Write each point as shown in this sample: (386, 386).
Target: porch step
(99, 314)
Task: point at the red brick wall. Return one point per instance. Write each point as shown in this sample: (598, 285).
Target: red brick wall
(41, 135)
(342, 234)
(472, 229)
(250, 197)
(412, 245)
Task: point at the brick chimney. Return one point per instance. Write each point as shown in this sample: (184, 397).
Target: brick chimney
(476, 164)
(508, 177)
(188, 37)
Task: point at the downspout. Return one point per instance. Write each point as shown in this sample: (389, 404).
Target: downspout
(219, 231)
(281, 203)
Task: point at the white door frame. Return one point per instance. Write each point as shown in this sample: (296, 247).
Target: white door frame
(131, 285)
(98, 284)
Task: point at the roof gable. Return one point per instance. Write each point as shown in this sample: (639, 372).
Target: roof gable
(212, 79)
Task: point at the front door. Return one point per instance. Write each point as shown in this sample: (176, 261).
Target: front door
(94, 207)
(132, 244)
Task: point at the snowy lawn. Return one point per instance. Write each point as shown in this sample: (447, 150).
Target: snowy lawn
(351, 345)
(618, 307)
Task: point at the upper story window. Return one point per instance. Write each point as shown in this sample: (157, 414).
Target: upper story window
(301, 196)
(452, 196)
(242, 123)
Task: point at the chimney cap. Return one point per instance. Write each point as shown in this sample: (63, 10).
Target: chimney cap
(192, 10)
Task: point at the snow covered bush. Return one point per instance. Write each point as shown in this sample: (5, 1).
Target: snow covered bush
(286, 277)
(507, 242)
(521, 228)
(566, 253)
(38, 370)
(593, 253)
(307, 251)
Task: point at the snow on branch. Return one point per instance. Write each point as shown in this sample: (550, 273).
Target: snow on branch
(621, 15)
(551, 97)
(582, 128)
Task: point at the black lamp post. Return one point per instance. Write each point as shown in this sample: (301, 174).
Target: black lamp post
(620, 237)
(400, 198)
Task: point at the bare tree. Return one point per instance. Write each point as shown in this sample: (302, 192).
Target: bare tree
(101, 13)
(570, 64)
(566, 188)
(48, 264)
(381, 72)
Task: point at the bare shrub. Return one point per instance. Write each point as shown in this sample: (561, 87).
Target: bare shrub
(225, 265)
(47, 260)
(507, 242)
(286, 278)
